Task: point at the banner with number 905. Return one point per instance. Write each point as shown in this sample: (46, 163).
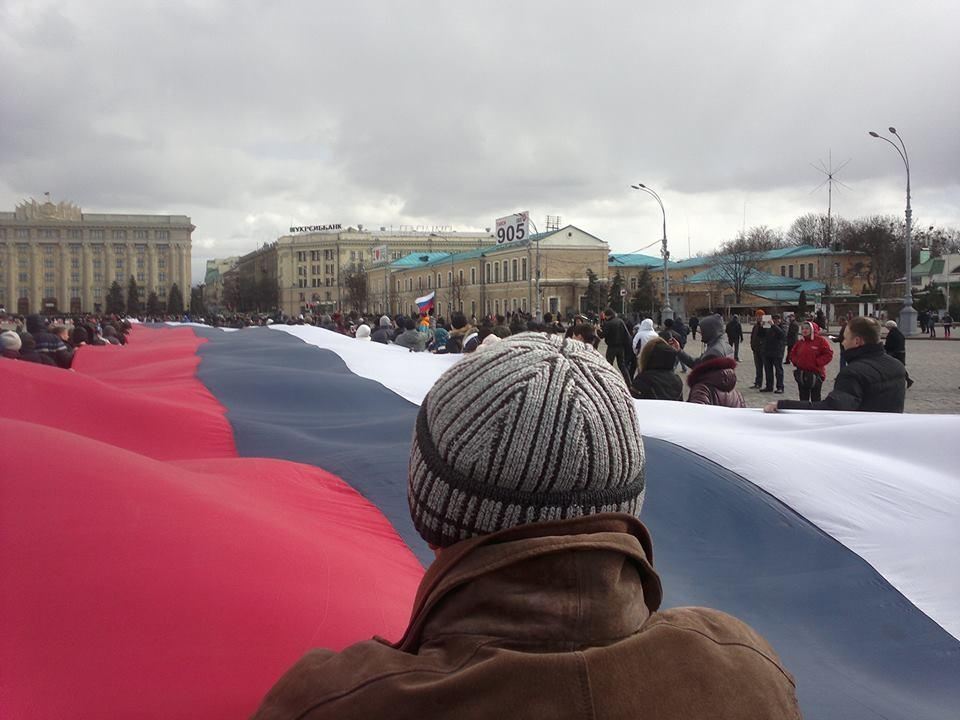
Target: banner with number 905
(513, 228)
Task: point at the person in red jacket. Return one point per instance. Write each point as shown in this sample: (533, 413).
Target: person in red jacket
(810, 358)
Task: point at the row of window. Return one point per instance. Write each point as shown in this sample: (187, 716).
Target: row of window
(506, 271)
(77, 234)
(806, 271)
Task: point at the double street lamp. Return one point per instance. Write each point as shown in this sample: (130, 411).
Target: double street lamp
(908, 315)
(666, 311)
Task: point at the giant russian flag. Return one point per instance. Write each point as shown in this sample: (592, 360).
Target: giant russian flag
(181, 518)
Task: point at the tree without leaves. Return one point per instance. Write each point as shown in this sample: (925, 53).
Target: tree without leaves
(816, 229)
(355, 287)
(133, 297)
(115, 302)
(175, 301)
(881, 239)
(736, 264)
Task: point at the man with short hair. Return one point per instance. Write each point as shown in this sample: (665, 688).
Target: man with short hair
(618, 340)
(871, 381)
(543, 599)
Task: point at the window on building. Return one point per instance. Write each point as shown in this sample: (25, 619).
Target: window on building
(439, 281)
(48, 250)
(23, 262)
(23, 277)
(430, 281)
(496, 306)
(790, 271)
(302, 282)
(98, 292)
(473, 308)
(506, 271)
(487, 272)
(419, 283)
(161, 277)
(141, 277)
(836, 270)
(523, 268)
(496, 272)
(163, 235)
(633, 283)
(301, 269)
(98, 277)
(514, 267)
(75, 234)
(23, 234)
(96, 234)
(119, 235)
(353, 256)
(48, 277)
(523, 304)
(49, 234)
(803, 271)
(398, 285)
(139, 234)
(48, 292)
(48, 262)
(75, 263)
(24, 293)
(810, 267)
(473, 276)
(75, 277)
(327, 295)
(783, 271)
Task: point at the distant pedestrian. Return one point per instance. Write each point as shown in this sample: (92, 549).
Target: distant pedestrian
(735, 336)
(793, 333)
(618, 340)
(756, 347)
(773, 338)
(922, 318)
(947, 324)
(693, 326)
(896, 346)
(932, 325)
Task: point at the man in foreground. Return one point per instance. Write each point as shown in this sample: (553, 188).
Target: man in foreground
(871, 380)
(543, 601)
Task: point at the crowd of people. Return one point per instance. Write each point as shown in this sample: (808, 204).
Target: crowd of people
(54, 341)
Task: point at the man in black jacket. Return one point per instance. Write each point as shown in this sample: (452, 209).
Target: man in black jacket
(735, 336)
(872, 381)
(618, 340)
(772, 336)
(896, 346)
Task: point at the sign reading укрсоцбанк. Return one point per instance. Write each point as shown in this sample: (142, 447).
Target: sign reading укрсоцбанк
(315, 228)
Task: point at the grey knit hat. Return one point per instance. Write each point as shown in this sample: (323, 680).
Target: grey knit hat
(536, 428)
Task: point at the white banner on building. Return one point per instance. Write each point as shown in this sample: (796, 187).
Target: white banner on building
(379, 254)
(513, 228)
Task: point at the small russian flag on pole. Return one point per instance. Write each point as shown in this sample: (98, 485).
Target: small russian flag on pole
(425, 303)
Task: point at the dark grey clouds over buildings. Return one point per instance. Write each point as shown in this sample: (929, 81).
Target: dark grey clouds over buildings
(252, 116)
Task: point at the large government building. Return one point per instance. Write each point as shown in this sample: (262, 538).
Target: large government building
(54, 258)
(320, 269)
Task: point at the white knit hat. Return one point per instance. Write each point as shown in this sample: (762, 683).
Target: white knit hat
(9, 340)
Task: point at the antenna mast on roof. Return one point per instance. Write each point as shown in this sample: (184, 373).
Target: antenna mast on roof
(553, 223)
(830, 172)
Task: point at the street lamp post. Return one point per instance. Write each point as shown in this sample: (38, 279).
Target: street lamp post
(908, 315)
(666, 311)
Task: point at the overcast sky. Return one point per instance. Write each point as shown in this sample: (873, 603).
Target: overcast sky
(253, 116)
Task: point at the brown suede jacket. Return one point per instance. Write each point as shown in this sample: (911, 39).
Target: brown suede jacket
(550, 620)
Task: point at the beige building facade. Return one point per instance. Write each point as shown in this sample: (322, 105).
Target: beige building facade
(55, 258)
(499, 279)
(316, 270)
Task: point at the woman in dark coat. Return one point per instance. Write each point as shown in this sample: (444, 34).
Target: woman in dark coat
(656, 379)
(714, 382)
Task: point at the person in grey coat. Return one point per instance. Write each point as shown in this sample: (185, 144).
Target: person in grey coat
(712, 335)
(411, 338)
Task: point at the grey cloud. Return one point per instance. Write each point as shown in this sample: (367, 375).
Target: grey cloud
(455, 113)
